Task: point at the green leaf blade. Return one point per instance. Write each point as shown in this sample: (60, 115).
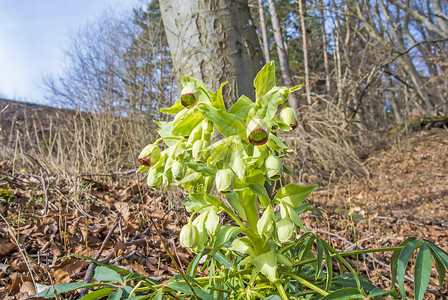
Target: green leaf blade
(422, 271)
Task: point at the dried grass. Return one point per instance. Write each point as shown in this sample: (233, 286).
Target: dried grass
(324, 145)
(70, 143)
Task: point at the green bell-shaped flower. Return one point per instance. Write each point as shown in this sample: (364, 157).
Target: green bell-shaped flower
(286, 230)
(189, 236)
(257, 132)
(149, 156)
(178, 169)
(189, 96)
(198, 146)
(225, 179)
(154, 179)
(289, 116)
(274, 167)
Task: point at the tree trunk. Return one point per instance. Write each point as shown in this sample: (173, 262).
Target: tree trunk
(324, 49)
(264, 33)
(282, 53)
(305, 53)
(214, 41)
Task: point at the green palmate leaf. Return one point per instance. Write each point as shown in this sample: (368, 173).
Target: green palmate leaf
(235, 161)
(394, 261)
(218, 101)
(196, 134)
(193, 266)
(116, 295)
(194, 202)
(440, 260)
(166, 130)
(293, 194)
(443, 255)
(67, 287)
(422, 271)
(236, 204)
(201, 168)
(176, 108)
(266, 263)
(220, 150)
(196, 82)
(185, 288)
(440, 267)
(225, 234)
(242, 107)
(185, 123)
(260, 191)
(344, 294)
(106, 274)
(403, 260)
(376, 292)
(265, 80)
(98, 294)
(226, 123)
(320, 254)
(275, 144)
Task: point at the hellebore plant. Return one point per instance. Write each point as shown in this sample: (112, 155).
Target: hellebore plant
(260, 254)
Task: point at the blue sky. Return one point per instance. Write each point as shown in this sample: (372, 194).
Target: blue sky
(33, 36)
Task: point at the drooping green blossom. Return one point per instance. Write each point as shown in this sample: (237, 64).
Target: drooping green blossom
(225, 179)
(289, 116)
(189, 236)
(212, 223)
(189, 96)
(198, 146)
(154, 179)
(178, 169)
(149, 155)
(265, 225)
(274, 167)
(286, 230)
(257, 132)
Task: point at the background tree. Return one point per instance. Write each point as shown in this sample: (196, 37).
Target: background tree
(214, 41)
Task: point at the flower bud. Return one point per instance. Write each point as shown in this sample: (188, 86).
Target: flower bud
(189, 236)
(212, 223)
(289, 116)
(286, 230)
(149, 155)
(225, 179)
(188, 96)
(257, 132)
(274, 167)
(154, 179)
(178, 169)
(198, 146)
(207, 126)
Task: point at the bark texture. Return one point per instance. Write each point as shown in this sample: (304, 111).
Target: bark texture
(214, 41)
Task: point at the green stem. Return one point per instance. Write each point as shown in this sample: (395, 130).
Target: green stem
(281, 291)
(356, 252)
(308, 284)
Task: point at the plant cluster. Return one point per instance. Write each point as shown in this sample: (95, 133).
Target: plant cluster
(224, 159)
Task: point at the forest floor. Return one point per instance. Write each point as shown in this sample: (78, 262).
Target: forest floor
(47, 218)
